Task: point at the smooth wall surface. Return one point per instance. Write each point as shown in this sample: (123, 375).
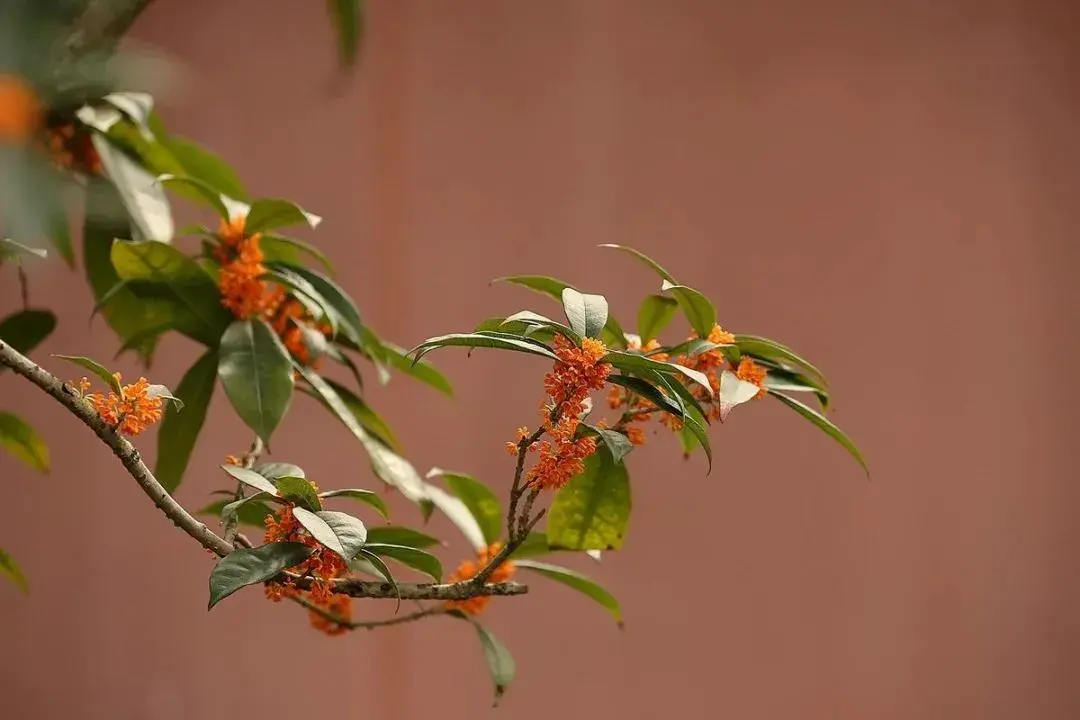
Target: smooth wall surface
(889, 187)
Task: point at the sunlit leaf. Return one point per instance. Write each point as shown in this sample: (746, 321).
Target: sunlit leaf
(577, 581)
(772, 350)
(697, 308)
(475, 340)
(734, 392)
(95, 368)
(478, 498)
(271, 213)
(141, 193)
(252, 478)
(299, 491)
(591, 512)
(643, 258)
(587, 313)
(368, 497)
(825, 425)
(275, 470)
(23, 442)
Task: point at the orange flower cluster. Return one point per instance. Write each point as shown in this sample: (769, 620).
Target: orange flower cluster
(751, 372)
(21, 111)
(323, 565)
(130, 412)
(469, 569)
(71, 148)
(247, 295)
(577, 372)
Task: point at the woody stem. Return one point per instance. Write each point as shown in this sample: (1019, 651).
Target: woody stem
(248, 461)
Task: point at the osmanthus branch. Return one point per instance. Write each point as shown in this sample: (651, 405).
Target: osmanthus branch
(129, 457)
(371, 624)
(248, 461)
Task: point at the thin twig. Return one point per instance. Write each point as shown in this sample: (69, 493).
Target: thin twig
(248, 461)
(24, 286)
(368, 624)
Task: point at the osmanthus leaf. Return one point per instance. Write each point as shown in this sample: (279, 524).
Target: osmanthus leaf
(397, 358)
(179, 430)
(771, 350)
(368, 497)
(9, 248)
(270, 213)
(141, 193)
(783, 380)
(694, 420)
(478, 498)
(344, 311)
(825, 425)
(275, 470)
(291, 251)
(158, 270)
(321, 531)
(518, 328)
(252, 478)
(249, 566)
(617, 444)
(393, 535)
(136, 105)
(95, 368)
(578, 582)
(587, 313)
(654, 314)
(368, 418)
(643, 258)
(163, 393)
(299, 491)
(591, 512)
(23, 442)
(635, 363)
(256, 372)
(199, 162)
(410, 557)
(247, 511)
(612, 334)
(348, 19)
(534, 545)
(697, 308)
(11, 569)
(531, 321)
(734, 392)
(477, 340)
(649, 392)
(499, 660)
(202, 189)
(372, 564)
(690, 348)
(25, 330)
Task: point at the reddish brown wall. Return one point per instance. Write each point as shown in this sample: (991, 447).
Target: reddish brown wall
(891, 187)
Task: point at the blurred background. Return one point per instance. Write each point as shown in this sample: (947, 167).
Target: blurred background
(890, 188)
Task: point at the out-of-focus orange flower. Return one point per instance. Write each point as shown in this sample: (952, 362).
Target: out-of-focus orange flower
(469, 569)
(21, 111)
(130, 412)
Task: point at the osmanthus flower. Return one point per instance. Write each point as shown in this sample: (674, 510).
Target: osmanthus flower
(469, 569)
(751, 372)
(136, 407)
(21, 110)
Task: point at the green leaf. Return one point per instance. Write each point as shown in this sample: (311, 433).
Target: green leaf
(291, 251)
(544, 285)
(23, 442)
(252, 478)
(201, 189)
(578, 582)
(299, 491)
(320, 529)
(649, 392)
(643, 258)
(617, 444)
(179, 430)
(381, 568)
(393, 535)
(140, 192)
(771, 350)
(256, 372)
(410, 557)
(345, 314)
(199, 162)
(364, 415)
(275, 470)
(784, 380)
(734, 392)
(136, 105)
(57, 228)
(587, 313)
(535, 544)
(248, 566)
(270, 213)
(499, 661)
(697, 308)
(248, 511)
(478, 498)
(693, 416)
(423, 371)
(368, 497)
(11, 569)
(499, 342)
(655, 313)
(592, 511)
(160, 270)
(697, 346)
(25, 330)
(633, 362)
(95, 368)
(9, 248)
(348, 19)
(822, 422)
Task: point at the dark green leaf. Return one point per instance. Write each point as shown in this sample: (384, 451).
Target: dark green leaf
(587, 313)
(643, 258)
(179, 430)
(364, 415)
(200, 163)
(577, 581)
(248, 511)
(25, 330)
(252, 478)
(649, 392)
(299, 491)
(693, 416)
(201, 189)
(23, 442)
(270, 213)
(499, 661)
(592, 511)
(533, 321)
(290, 251)
(633, 362)
(381, 568)
(831, 430)
(248, 566)
(11, 569)
(367, 497)
(95, 368)
(544, 285)
(392, 535)
(696, 307)
(348, 19)
(697, 346)
(423, 371)
(346, 316)
(410, 557)
(256, 372)
(655, 313)
(772, 350)
(474, 340)
(478, 498)
(784, 380)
